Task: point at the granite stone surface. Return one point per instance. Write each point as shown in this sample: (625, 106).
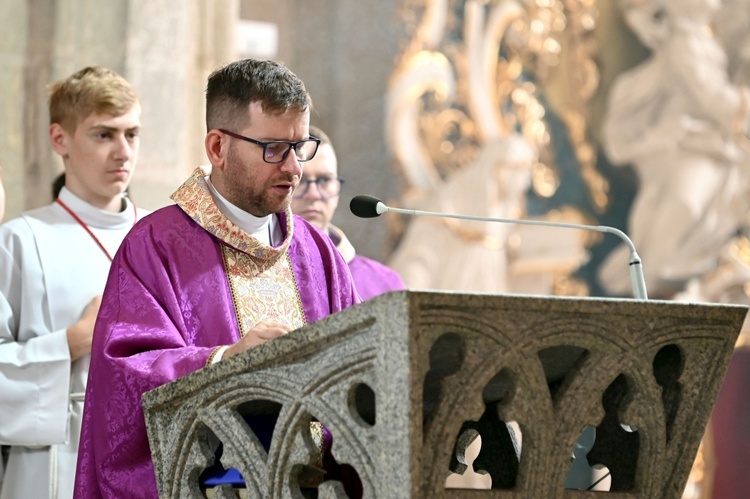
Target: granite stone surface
(405, 381)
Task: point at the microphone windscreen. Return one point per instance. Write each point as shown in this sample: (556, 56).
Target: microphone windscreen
(365, 206)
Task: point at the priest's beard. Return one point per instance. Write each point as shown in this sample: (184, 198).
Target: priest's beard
(244, 189)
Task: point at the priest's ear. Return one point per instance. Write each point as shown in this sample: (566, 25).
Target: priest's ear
(217, 148)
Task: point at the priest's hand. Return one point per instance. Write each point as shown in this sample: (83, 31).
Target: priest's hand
(260, 333)
(80, 333)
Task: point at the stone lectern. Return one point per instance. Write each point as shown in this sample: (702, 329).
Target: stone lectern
(405, 381)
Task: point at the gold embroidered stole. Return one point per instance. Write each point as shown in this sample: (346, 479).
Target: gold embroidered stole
(260, 277)
(269, 295)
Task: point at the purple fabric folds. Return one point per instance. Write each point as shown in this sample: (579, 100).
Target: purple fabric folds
(167, 305)
(372, 278)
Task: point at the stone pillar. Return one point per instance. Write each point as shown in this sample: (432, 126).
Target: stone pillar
(171, 47)
(170, 81)
(12, 62)
(166, 48)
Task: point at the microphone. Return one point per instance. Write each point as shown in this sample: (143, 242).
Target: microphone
(365, 206)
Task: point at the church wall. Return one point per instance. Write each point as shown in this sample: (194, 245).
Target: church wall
(165, 48)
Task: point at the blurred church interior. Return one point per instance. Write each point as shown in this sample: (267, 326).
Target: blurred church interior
(633, 114)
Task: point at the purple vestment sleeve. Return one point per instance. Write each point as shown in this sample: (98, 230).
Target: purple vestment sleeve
(373, 278)
(166, 306)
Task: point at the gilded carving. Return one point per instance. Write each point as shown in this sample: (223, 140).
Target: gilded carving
(474, 76)
(474, 70)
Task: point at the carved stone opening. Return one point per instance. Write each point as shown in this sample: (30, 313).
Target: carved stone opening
(259, 418)
(668, 365)
(362, 399)
(617, 444)
(582, 475)
(446, 357)
(559, 363)
(340, 481)
(500, 452)
(210, 447)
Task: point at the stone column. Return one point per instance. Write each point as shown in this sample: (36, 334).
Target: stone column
(12, 62)
(166, 48)
(171, 47)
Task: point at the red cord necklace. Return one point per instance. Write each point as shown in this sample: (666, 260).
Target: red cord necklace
(86, 227)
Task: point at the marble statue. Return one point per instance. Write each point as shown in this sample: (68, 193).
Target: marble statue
(678, 119)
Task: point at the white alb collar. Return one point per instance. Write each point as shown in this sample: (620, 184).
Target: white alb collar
(264, 229)
(96, 217)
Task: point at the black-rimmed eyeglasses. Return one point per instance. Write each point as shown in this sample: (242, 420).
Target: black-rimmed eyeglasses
(328, 187)
(276, 151)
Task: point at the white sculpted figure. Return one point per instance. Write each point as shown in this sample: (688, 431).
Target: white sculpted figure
(727, 283)
(676, 118)
(732, 22)
(468, 256)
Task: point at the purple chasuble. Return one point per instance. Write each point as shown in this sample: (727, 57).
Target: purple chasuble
(372, 278)
(166, 307)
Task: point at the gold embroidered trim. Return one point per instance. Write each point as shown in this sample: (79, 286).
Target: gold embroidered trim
(296, 290)
(213, 354)
(262, 293)
(261, 277)
(224, 253)
(195, 199)
(316, 431)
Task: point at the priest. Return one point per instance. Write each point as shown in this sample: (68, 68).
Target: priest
(224, 269)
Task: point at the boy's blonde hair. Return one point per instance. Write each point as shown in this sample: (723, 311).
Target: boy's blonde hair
(92, 90)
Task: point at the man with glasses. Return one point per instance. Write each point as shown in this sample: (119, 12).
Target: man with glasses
(316, 200)
(227, 268)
